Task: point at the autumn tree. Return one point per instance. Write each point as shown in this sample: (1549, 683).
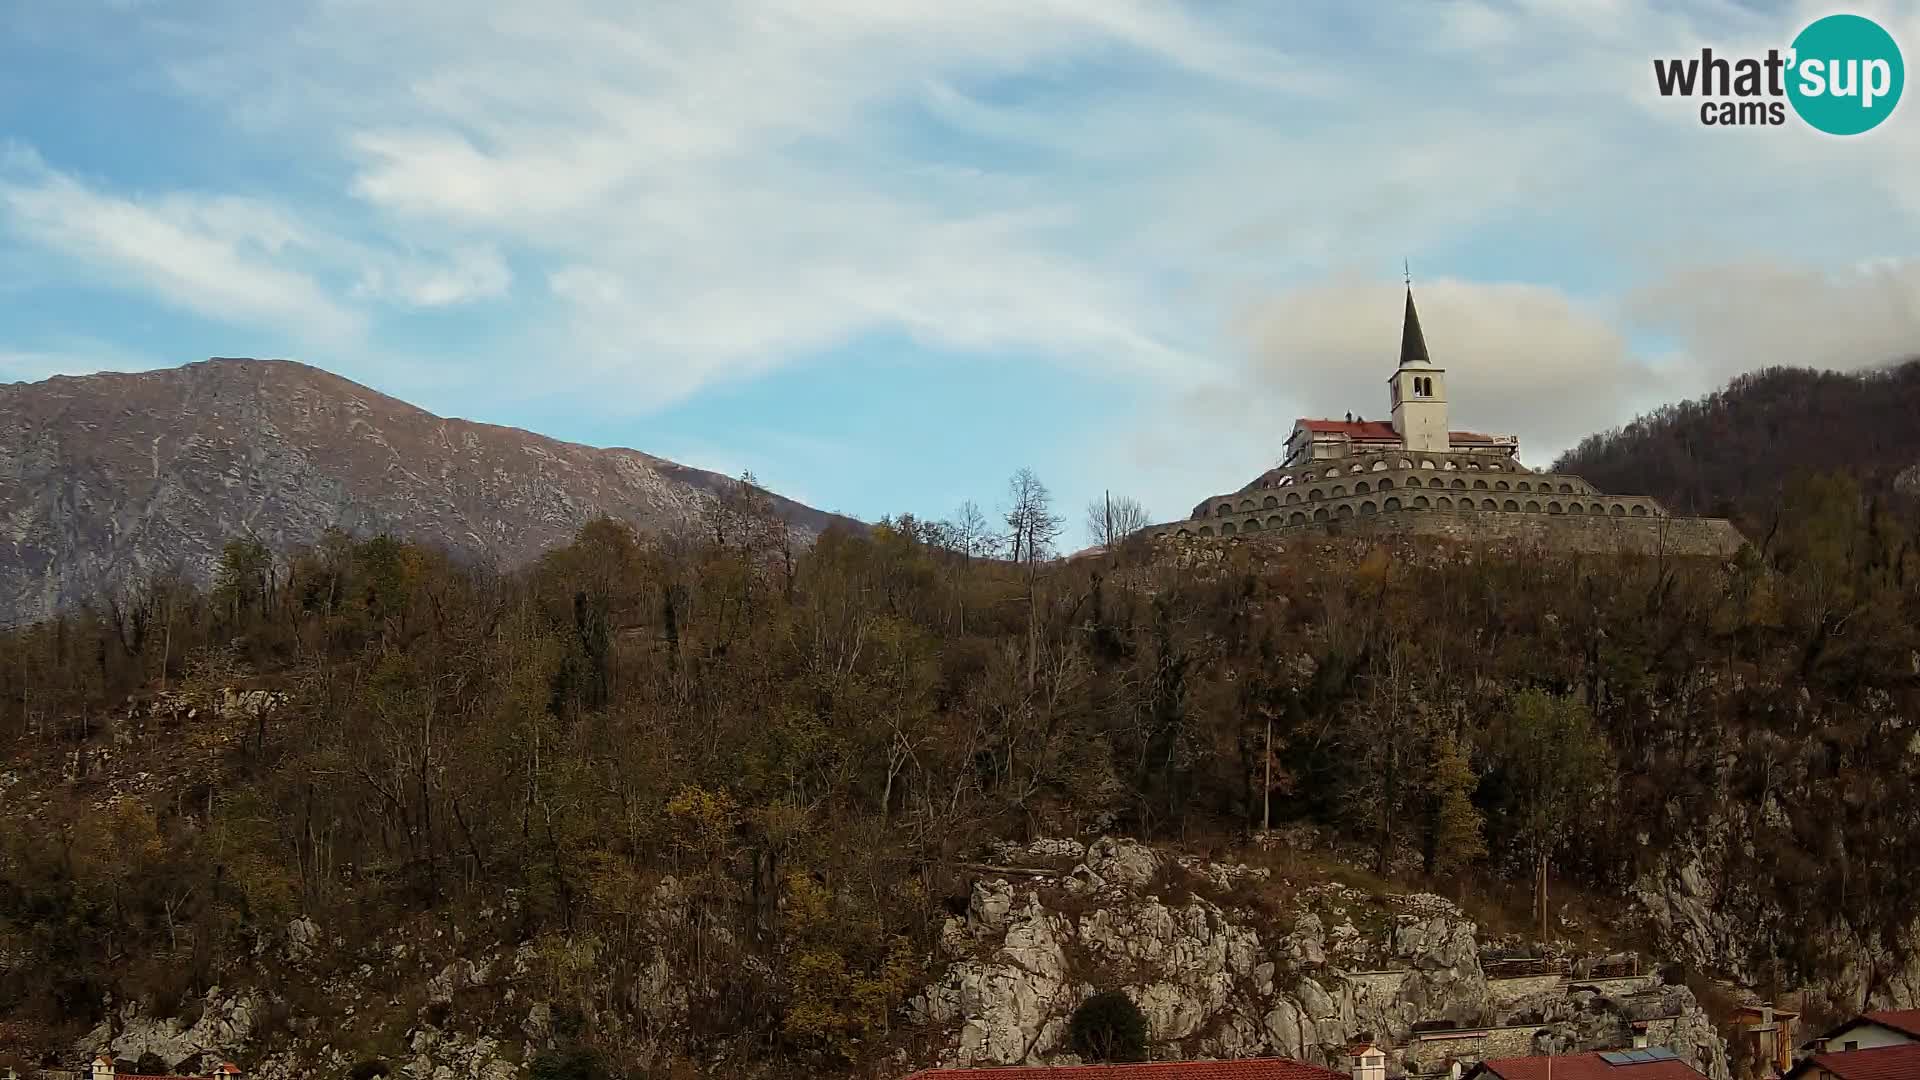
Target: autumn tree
(1556, 763)
(1457, 824)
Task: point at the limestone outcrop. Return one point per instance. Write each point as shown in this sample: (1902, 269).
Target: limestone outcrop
(1217, 981)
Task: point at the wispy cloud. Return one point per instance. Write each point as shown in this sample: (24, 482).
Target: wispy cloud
(216, 257)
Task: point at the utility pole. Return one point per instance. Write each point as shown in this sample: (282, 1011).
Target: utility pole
(1543, 902)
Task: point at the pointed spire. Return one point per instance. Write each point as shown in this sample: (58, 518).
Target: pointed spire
(1413, 344)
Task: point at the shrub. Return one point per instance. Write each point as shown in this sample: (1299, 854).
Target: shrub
(573, 1063)
(151, 1064)
(1109, 1027)
(368, 1069)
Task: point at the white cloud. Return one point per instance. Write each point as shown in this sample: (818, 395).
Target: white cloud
(216, 258)
(1737, 317)
(468, 273)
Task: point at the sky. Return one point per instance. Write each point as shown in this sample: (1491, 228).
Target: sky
(883, 253)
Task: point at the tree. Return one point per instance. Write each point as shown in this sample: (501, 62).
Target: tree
(968, 533)
(1032, 526)
(1111, 520)
(1457, 823)
(1109, 1027)
(244, 578)
(1555, 762)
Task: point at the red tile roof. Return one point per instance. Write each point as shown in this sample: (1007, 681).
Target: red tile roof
(1880, 1063)
(1254, 1069)
(1904, 1020)
(1585, 1067)
(1355, 429)
(1379, 431)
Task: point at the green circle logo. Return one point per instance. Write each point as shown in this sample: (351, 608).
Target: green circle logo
(1847, 74)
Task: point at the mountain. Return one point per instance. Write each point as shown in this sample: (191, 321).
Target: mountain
(106, 478)
(1730, 452)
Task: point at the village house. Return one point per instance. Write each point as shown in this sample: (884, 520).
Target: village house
(1365, 1062)
(1764, 1035)
(1656, 1063)
(1881, 1045)
(1869, 1031)
(103, 1068)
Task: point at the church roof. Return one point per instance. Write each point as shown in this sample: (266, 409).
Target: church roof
(1381, 431)
(1413, 344)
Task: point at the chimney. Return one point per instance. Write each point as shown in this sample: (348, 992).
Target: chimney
(1369, 1062)
(1639, 1040)
(1766, 1013)
(226, 1070)
(103, 1068)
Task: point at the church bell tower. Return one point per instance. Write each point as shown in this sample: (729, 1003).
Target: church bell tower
(1419, 390)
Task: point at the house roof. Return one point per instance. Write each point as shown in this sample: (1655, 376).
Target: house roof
(225, 1068)
(1880, 1063)
(1905, 1021)
(1251, 1069)
(1583, 1067)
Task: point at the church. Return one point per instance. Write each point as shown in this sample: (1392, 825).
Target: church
(1415, 474)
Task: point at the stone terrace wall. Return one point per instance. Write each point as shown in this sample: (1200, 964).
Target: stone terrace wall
(1592, 535)
(1504, 993)
(1585, 534)
(1427, 1054)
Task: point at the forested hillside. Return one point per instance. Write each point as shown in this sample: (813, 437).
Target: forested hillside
(813, 744)
(1733, 452)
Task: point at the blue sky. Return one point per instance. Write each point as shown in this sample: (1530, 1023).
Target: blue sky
(884, 252)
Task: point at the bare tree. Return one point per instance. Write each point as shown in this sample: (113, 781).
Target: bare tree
(1032, 526)
(968, 533)
(1112, 519)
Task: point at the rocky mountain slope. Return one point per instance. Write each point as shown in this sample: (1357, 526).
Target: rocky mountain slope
(111, 477)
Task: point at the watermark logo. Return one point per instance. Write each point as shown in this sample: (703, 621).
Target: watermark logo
(1842, 75)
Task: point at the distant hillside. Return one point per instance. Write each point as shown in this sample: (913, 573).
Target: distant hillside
(1730, 452)
(115, 476)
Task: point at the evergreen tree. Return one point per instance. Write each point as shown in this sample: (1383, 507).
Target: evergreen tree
(1457, 823)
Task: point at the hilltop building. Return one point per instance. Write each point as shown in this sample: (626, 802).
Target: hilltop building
(1415, 474)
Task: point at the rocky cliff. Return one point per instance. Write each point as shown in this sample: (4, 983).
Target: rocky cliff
(1217, 968)
(114, 476)
(1216, 979)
